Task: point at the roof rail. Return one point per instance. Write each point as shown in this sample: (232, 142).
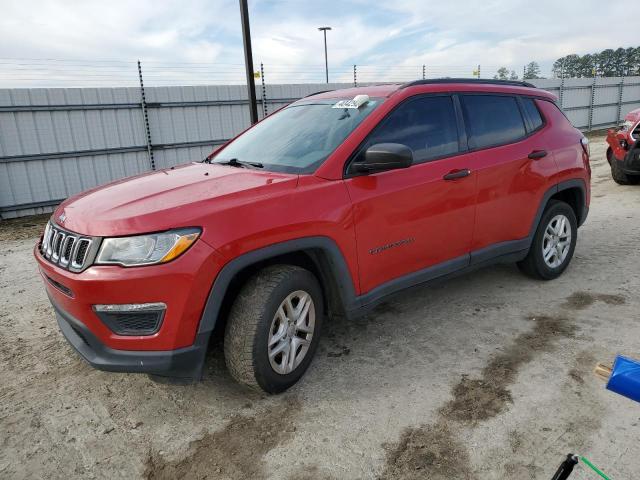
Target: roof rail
(317, 93)
(432, 81)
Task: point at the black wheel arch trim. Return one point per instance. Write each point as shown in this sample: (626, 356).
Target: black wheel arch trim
(334, 261)
(583, 209)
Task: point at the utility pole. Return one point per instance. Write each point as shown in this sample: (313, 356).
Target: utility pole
(326, 62)
(248, 60)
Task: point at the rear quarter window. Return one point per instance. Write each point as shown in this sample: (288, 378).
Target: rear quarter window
(532, 112)
(492, 120)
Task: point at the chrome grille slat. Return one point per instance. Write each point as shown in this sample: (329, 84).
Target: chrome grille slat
(81, 253)
(73, 254)
(52, 235)
(68, 250)
(57, 245)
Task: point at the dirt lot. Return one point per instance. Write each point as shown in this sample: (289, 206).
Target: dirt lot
(484, 377)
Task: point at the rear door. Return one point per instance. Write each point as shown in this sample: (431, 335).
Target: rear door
(506, 137)
(410, 219)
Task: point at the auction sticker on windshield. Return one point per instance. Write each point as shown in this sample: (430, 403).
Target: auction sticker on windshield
(356, 102)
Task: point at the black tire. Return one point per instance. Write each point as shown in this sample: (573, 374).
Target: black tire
(620, 177)
(250, 321)
(534, 264)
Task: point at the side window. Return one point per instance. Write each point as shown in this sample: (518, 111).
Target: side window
(531, 111)
(427, 125)
(492, 120)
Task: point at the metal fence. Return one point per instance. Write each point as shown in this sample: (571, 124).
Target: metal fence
(55, 142)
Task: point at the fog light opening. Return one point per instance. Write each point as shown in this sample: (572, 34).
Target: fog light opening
(132, 319)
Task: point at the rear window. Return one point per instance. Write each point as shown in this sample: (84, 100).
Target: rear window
(532, 112)
(492, 120)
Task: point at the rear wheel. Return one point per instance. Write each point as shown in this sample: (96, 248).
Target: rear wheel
(273, 328)
(553, 243)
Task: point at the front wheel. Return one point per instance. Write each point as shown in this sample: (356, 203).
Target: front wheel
(553, 243)
(619, 176)
(273, 328)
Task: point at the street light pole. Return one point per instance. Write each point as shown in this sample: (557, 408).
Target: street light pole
(326, 62)
(248, 60)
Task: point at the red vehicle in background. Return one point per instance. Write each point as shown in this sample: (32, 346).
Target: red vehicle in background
(323, 208)
(623, 153)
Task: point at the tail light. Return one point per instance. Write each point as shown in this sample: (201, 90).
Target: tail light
(584, 141)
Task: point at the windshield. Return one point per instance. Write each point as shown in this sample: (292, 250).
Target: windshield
(297, 139)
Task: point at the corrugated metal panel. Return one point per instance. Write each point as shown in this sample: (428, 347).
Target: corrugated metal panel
(607, 95)
(578, 118)
(605, 115)
(576, 97)
(65, 140)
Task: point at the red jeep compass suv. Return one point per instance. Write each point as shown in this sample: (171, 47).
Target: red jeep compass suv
(323, 208)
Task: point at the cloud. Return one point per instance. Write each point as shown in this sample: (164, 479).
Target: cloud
(388, 41)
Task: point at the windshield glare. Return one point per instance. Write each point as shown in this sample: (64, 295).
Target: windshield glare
(298, 138)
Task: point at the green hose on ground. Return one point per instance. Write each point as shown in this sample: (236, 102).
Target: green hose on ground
(594, 468)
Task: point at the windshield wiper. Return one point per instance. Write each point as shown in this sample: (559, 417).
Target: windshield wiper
(234, 162)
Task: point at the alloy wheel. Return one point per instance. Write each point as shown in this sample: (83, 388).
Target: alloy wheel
(291, 332)
(556, 242)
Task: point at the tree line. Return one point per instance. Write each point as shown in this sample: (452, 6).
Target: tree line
(622, 62)
(530, 71)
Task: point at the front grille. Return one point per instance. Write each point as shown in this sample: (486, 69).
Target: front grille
(66, 249)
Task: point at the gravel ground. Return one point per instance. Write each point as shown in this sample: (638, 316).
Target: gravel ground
(487, 376)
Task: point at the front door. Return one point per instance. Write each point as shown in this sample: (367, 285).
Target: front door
(410, 219)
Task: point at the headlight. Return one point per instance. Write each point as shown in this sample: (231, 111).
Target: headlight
(146, 249)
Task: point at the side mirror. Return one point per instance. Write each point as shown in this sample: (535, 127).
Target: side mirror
(384, 156)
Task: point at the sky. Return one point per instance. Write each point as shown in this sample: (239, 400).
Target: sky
(97, 42)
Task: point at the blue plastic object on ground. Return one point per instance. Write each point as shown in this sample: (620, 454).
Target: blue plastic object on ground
(625, 378)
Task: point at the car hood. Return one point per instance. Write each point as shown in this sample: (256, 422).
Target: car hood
(165, 199)
(633, 116)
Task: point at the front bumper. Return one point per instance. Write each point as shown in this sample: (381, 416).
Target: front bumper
(175, 351)
(182, 285)
(628, 158)
(183, 363)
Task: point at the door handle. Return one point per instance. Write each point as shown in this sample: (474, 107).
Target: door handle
(537, 154)
(455, 174)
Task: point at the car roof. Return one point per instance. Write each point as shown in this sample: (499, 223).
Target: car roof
(438, 85)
